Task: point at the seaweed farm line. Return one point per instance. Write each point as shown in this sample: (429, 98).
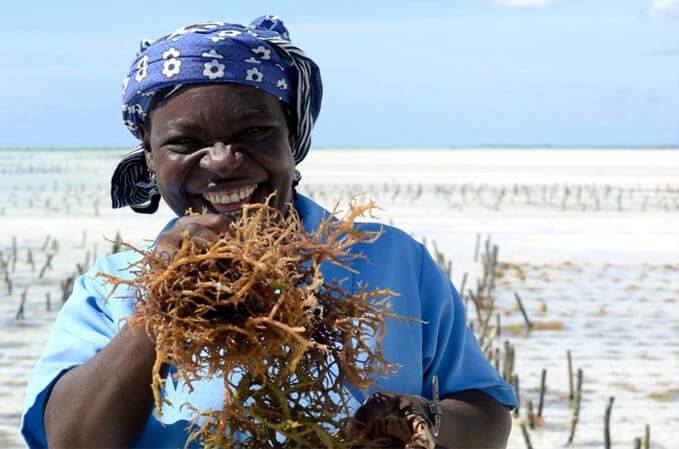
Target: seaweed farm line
(555, 253)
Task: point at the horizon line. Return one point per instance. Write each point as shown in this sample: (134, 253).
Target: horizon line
(410, 147)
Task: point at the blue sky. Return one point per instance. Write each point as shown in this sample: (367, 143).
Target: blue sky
(396, 73)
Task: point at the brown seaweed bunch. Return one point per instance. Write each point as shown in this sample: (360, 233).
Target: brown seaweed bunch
(253, 307)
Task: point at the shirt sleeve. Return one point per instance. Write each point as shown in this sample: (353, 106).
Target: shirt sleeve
(450, 349)
(85, 324)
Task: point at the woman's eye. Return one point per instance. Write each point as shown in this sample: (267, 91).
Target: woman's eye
(184, 142)
(182, 145)
(256, 130)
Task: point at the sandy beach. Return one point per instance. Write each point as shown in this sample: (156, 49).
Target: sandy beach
(588, 239)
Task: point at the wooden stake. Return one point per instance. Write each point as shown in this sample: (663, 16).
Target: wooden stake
(66, 287)
(493, 268)
(526, 438)
(515, 384)
(565, 198)
(484, 329)
(117, 243)
(607, 423)
(576, 411)
(464, 281)
(647, 437)
(571, 396)
(529, 325)
(14, 254)
(542, 392)
(30, 260)
(20, 311)
(506, 365)
(9, 283)
(530, 416)
(512, 354)
(497, 359)
(48, 264)
(637, 443)
(477, 306)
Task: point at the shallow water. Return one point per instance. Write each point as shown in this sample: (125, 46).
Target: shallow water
(604, 263)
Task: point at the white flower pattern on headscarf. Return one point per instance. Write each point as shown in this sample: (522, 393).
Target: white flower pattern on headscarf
(254, 75)
(197, 27)
(142, 68)
(171, 53)
(133, 109)
(213, 69)
(131, 126)
(262, 52)
(171, 65)
(212, 54)
(281, 84)
(221, 35)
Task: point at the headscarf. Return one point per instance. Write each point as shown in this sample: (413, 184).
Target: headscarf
(259, 55)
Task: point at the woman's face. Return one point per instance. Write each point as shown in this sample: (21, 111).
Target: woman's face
(219, 146)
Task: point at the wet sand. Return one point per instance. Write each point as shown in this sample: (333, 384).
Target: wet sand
(588, 238)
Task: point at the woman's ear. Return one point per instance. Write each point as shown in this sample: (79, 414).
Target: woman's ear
(290, 123)
(146, 142)
(292, 138)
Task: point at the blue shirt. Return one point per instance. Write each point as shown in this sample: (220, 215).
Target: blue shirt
(442, 345)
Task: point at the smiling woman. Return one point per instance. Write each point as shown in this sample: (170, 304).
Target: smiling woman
(224, 113)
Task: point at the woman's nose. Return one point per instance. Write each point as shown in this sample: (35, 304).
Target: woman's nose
(221, 159)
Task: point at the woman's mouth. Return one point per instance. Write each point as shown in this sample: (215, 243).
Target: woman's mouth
(229, 201)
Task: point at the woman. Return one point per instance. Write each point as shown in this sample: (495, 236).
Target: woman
(224, 113)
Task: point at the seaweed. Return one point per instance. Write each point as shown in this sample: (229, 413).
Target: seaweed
(254, 308)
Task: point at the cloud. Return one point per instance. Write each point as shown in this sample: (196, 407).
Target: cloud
(664, 8)
(523, 3)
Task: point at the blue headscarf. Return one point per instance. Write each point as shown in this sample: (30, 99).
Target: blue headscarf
(259, 55)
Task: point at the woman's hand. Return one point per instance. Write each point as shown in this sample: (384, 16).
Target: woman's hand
(392, 420)
(203, 229)
(470, 419)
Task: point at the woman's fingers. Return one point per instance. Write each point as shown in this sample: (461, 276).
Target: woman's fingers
(422, 436)
(203, 229)
(199, 233)
(215, 222)
(370, 417)
(387, 417)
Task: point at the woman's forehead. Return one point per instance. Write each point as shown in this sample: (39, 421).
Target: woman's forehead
(233, 100)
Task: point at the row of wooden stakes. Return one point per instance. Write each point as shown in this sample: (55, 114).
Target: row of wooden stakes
(503, 358)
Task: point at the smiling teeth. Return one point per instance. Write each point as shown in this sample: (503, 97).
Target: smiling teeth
(230, 197)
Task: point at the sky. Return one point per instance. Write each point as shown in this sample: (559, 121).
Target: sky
(426, 73)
